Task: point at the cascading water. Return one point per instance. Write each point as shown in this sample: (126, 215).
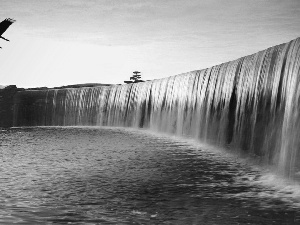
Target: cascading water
(250, 104)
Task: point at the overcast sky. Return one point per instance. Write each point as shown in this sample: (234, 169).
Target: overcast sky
(60, 42)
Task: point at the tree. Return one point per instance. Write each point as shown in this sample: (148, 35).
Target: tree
(135, 78)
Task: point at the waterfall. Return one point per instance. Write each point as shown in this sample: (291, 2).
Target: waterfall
(250, 104)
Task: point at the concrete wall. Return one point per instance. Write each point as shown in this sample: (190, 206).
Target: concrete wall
(7, 105)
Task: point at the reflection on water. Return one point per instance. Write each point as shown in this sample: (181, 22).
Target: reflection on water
(117, 176)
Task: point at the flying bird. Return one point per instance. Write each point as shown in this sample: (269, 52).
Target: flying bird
(4, 25)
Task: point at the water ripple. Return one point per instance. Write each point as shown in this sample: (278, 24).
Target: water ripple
(117, 176)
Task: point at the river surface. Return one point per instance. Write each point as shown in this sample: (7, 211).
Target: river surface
(88, 175)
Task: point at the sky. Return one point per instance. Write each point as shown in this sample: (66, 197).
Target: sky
(64, 42)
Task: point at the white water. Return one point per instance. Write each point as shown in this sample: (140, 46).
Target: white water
(250, 104)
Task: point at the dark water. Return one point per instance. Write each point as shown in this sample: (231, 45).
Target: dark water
(117, 176)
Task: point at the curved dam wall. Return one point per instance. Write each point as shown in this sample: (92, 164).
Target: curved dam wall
(250, 104)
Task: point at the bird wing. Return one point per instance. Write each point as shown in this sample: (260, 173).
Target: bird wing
(5, 24)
